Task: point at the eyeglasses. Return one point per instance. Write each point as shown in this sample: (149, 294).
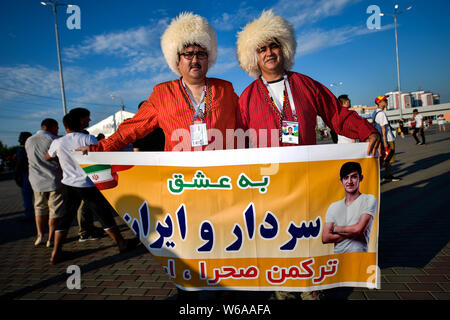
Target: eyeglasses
(190, 55)
(271, 46)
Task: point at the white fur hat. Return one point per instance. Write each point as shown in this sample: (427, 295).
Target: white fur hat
(267, 27)
(186, 29)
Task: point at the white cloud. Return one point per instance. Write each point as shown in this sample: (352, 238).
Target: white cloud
(220, 68)
(226, 52)
(226, 61)
(236, 20)
(128, 43)
(140, 49)
(84, 88)
(318, 39)
(39, 115)
(304, 12)
(140, 89)
(36, 79)
(298, 12)
(146, 63)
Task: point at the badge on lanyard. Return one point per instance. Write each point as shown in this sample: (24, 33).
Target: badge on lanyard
(289, 132)
(199, 135)
(289, 129)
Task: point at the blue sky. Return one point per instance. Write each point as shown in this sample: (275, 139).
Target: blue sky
(117, 52)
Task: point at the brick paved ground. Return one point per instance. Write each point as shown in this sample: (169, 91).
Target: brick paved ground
(414, 243)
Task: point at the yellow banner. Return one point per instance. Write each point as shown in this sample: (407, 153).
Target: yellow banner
(254, 219)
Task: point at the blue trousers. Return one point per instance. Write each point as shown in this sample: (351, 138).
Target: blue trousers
(27, 196)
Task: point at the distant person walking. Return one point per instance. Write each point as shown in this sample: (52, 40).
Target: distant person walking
(401, 129)
(380, 121)
(21, 176)
(441, 122)
(419, 127)
(45, 179)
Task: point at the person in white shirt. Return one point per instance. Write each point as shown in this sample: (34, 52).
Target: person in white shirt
(348, 222)
(441, 122)
(380, 121)
(419, 127)
(77, 186)
(45, 179)
(86, 228)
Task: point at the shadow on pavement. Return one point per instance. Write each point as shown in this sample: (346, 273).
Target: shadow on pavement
(84, 269)
(420, 165)
(412, 237)
(16, 228)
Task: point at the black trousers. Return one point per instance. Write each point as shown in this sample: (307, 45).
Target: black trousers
(93, 199)
(422, 135)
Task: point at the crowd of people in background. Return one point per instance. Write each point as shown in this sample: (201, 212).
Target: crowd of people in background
(55, 188)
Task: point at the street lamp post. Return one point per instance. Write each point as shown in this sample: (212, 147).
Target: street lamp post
(121, 114)
(340, 83)
(121, 101)
(396, 13)
(54, 4)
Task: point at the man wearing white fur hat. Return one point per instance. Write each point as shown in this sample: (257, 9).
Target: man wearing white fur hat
(190, 110)
(279, 99)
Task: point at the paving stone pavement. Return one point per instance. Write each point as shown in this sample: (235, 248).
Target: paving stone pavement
(414, 246)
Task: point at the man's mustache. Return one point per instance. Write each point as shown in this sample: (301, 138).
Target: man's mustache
(272, 56)
(195, 65)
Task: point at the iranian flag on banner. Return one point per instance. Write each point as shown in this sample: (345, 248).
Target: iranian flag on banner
(105, 176)
(102, 176)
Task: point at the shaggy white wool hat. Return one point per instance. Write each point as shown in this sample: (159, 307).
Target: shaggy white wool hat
(187, 29)
(267, 27)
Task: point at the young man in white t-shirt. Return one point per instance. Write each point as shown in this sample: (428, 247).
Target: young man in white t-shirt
(419, 127)
(348, 222)
(77, 186)
(380, 121)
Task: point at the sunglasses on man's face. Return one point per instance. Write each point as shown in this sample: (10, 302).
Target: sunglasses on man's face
(190, 55)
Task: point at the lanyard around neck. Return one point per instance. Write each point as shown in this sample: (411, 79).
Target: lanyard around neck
(198, 108)
(289, 93)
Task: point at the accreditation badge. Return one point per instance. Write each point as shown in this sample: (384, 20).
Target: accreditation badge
(289, 132)
(199, 135)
